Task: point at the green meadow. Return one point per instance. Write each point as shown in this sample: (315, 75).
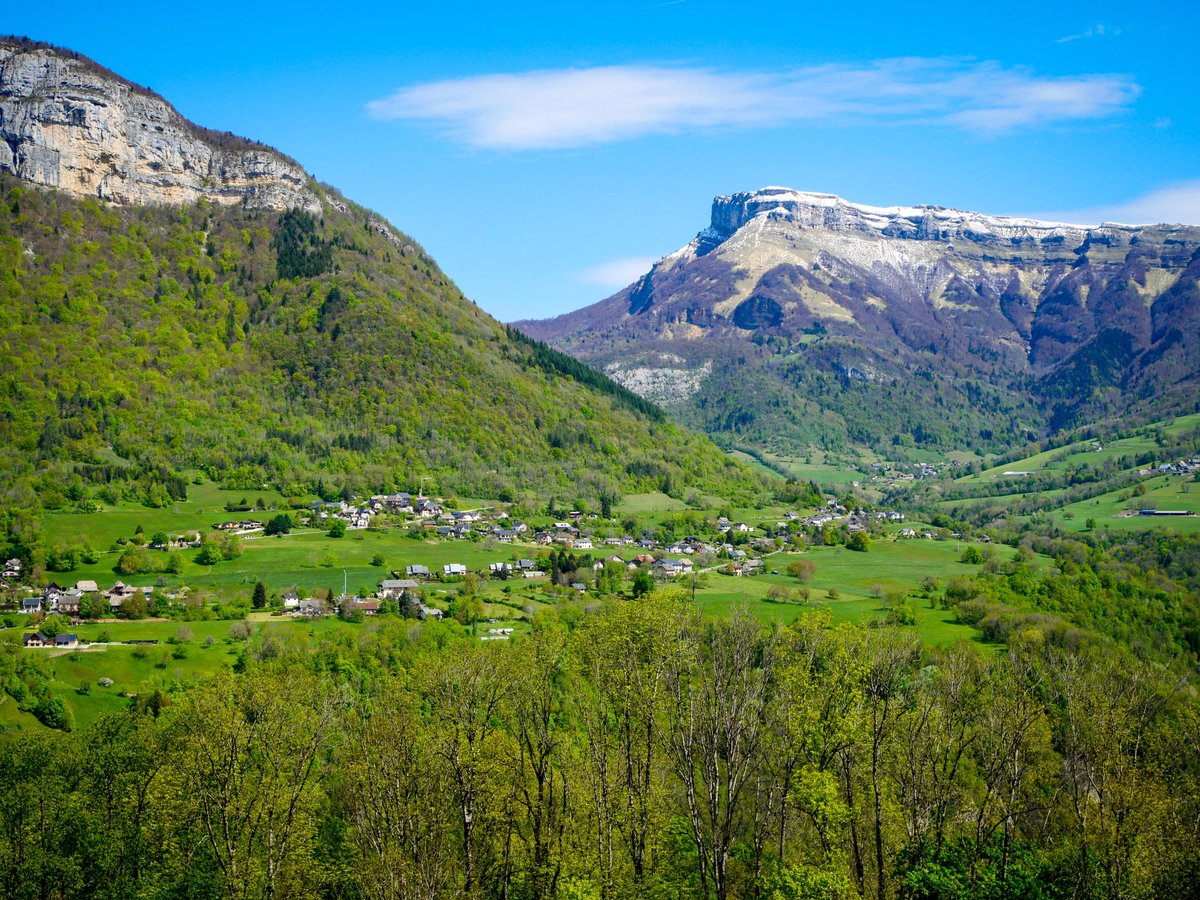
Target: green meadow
(204, 506)
(856, 577)
(1083, 452)
(1164, 492)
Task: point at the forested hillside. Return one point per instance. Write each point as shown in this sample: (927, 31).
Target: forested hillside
(293, 350)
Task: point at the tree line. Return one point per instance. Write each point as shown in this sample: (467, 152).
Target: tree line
(643, 752)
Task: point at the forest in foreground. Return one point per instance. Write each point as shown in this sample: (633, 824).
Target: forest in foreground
(642, 752)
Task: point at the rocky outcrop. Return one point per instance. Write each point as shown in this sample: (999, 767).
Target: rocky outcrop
(830, 213)
(70, 124)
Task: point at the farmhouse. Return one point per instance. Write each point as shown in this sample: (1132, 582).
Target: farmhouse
(59, 641)
(392, 588)
(309, 608)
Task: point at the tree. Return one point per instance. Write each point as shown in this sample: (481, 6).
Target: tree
(624, 659)
(643, 583)
(53, 713)
(397, 796)
(209, 554)
(377, 560)
(719, 688)
(259, 600)
(231, 547)
(779, 593)
(280, 524)
(464, 691)
(337, 528)
(802, 570)
(53, 624)
(246, 778)
(174, 564)
(133, 561)
(860, 541)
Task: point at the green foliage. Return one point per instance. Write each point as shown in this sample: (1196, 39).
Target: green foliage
(557, 362)
(209, 554)
(337, 528)
(53, 713)
(643, 583)
(859, 540)
(802, 569)
(280, 524)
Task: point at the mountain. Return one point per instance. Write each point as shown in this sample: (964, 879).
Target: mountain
(176, 299)
(800, 319)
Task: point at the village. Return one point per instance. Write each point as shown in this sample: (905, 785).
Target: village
(601, 551)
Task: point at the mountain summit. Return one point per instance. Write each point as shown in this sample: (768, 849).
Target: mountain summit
(67, 122)
(800, 318)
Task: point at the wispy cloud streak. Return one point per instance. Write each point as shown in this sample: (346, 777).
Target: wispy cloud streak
(616, 273)
(564, 108)
(1098, 30)
(1174, 204)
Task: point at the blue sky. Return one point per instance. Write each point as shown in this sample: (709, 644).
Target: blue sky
(545, 154)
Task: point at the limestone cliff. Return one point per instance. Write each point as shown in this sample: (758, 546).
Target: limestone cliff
(68, 123)
(799, 318)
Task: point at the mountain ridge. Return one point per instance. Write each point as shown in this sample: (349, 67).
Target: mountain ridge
(1052, 321)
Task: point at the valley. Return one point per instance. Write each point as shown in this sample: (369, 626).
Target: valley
(850, 552)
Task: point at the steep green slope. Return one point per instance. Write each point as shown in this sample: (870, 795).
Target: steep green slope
(288, 349)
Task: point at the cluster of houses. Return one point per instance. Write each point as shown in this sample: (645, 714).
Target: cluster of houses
(240, 526)
(1181, 468)
(894, 475)
(854, 519)
(66, 601)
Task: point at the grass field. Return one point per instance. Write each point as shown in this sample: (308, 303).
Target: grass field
(1082, 452)
(204, 506)
(1166, 492)
(890, 566)
(656, 502)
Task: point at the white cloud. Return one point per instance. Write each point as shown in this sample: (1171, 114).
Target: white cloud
(616, 273)
(560, 108)
(1177, 203)
(1098, 30)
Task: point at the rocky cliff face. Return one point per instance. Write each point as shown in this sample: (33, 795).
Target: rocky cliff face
(67, 123)
(819, 305)
(807, 210)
